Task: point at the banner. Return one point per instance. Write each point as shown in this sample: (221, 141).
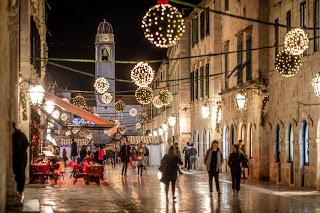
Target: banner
(144, 139)
(68, 141)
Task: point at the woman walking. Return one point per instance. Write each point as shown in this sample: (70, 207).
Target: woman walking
(140, 158)
(169, 169)
(235, 160)
(213, 161)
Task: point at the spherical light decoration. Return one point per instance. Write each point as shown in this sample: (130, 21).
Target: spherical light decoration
(75, 130)
(89, 136)
(133, 112)
(49, 106)
(165, 97)
(316, 84)
(116, 123)
(119, 106)
(142, 74)
(163, 25)
(68, 133)
(157, 102)
(144, 95)
(286, 64)
(36, 94)
(56, 114)
(79, 101)
(296, 41)
(101, 85)
(106, 98)
(138, 125)
(64, 116)
(84, 132)
(117, 136)
(122, 129)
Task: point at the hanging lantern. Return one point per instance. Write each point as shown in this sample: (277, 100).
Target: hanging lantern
(106, 98)
(286, 64)
(144, 95)
(138, 125)
(316, 84)
(56, 114)
(64, 116)
(157, 102)
(36, 94)
(165, 127)
(122, 129)
(163, 25)
(241, 101)
(79, 101)
(165, 97)
(172, 121)
(133, 112)
(296, 41)
(49, 106)
(160, 131)
(142, 74)
(155, 133)
(205, 111)
(101, 85)
(119, 106)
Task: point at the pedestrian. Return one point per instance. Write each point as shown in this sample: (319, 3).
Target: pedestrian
(101, 155)
(74, 151)
(177, 153)
(83, 152)
(242, 148)
(124, 155)
(113, 157)
(146, 157)
(169, 168)
(186, 153)
(235, 160)
(213, 161)
(140, 158)
(193, 157)
(64, 157)
(20, 145)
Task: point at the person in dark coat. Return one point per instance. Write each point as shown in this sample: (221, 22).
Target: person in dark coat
(20, 145)
(125, 155)
(235, 160)
(83, 152)
(169, 169)
(74, 150)
(64, 157)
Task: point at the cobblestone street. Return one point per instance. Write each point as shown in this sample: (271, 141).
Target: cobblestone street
(146, 194)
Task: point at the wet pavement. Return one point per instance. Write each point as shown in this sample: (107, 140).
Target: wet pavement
(146, 194)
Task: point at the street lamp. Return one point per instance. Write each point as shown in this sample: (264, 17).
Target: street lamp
(160, 131)
(155, 133)
(205, 111)
(49, 106)
(165, 127)
(172, 121)
(316, 84)
(241, 101)
(36, 94)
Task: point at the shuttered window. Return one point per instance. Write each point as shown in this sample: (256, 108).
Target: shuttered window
(207, 80)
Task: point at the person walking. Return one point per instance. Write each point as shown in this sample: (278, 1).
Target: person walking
(242, 149)
(64, 157)
(83, 152)
(146, 157)
(235, 160)
(113, 156)
(177, 153)
(140, 158)
(169, 168)
(213, 161)
(186, 153)
(193, 157)
(74, 151)
(20, 145)
(124, 155)
(101, 155)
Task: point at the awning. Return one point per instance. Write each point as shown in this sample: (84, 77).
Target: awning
(78, 111)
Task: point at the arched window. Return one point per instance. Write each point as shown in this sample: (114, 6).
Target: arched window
(290, 143)
(277, 145)
(251, 142)
(305, 143)
(105, 54)
(225, 142)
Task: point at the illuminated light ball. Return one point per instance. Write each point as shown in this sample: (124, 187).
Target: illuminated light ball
(119, 106)
(79, 101)
(56, 114)
(165, 97)
(296, 41)
(75, 130)
(122, 129)
(64, 116)
(36, 94)
(157, 102)
(163, 25)
(286, 64)
(118, 136)
(142, 74)
(133, 112)
(49, 106)
(84, 132)
(143, 117)
(106, 98)
(68, 133)
(138, 125)
(101, 85)
(116, 123)
(144, 95)
(89, 136)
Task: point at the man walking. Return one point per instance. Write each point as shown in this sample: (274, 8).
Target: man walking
(74, 150)
(186, 153)
(125, 155)
(146, 157)
(178, 154)
(193, 157)
(19, 159)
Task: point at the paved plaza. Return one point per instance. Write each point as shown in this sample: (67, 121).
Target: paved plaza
(146, 194)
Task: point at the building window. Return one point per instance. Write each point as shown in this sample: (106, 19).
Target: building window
(226, 5)
(303, 14)
(251, 142)
(305, 143)
(105, 56)
(35, 47)
(248, 57)
(225, 142)
(239, 59)
(192, 86)
(277, 145)
(195, 31)
(290, 143)
(226, 65)
(197, 85)
(207, 80)
(207, 13)
(202, 18)
(288, 20)
(276, 37)
(316, 23)
(202, 81)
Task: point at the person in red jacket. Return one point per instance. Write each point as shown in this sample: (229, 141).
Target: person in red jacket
(101, 155)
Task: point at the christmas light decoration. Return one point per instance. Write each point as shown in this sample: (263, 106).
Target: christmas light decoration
(75, 130)
(116, 123)
(241, 101)
(122, 129)
(205, 111)
(36, 94)
(106, 98)
(286, 64)
(133, 112)
(79, 101)
(138, 125)
(118, 136)
(143, 117)
(49, 106)
(144, 95)
(119, 106)
(64, 116)
(56, 114)
(23, 100)
(163, 25)
(165, 97)
(218, 114)
(316, 84)
(142, 74)
(155, 133)
(67, 133)
(101, 85)
(296, 41)
(89, 136)
(157, 102)
(265, 101)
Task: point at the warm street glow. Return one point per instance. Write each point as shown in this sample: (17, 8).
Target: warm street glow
(172, 121)
(36, 94)
(205, 111)
(241, 101)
